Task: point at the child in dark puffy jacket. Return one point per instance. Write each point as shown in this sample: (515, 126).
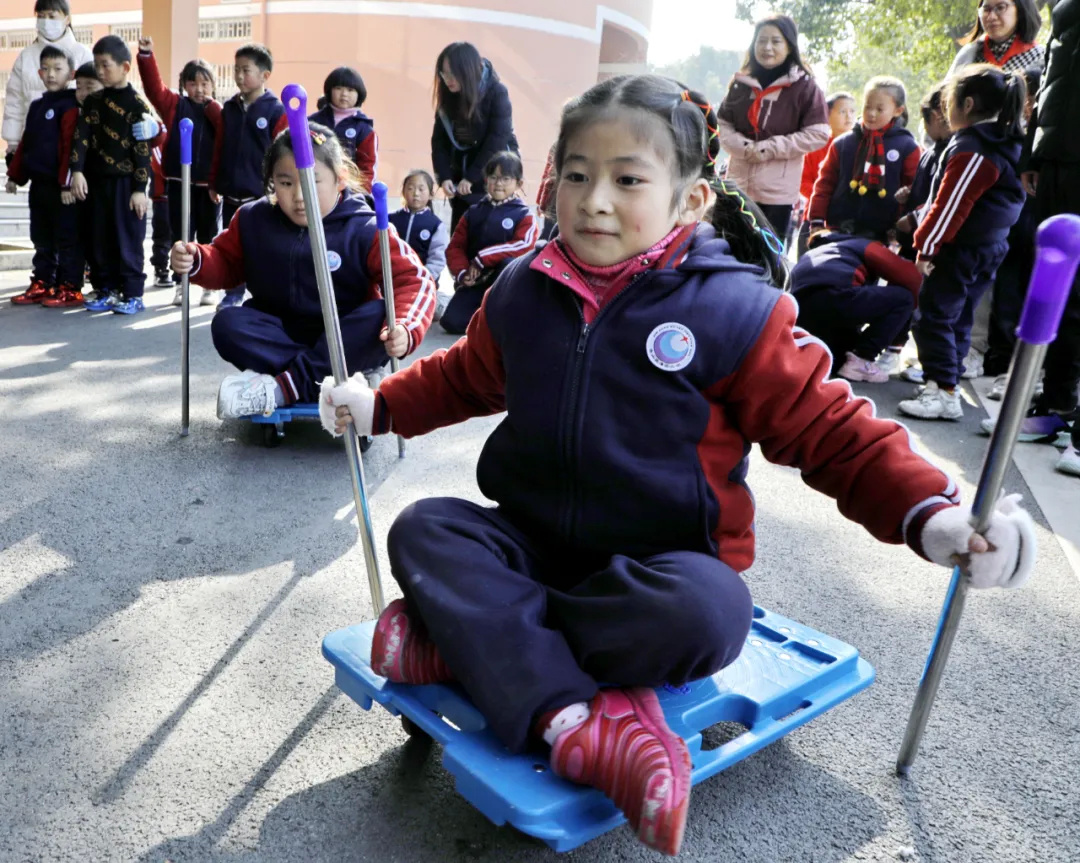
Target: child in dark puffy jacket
(277, 338)
(637, 358)
(344, 94)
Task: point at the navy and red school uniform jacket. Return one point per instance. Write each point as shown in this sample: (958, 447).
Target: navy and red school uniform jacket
(174, 107)
(490, 235)
(835, 204)
(631, 434)
(263, 248)
(357, 136)
(977, 196)
(846, 262)
(246, 134)
(45, 148)
(417, 229)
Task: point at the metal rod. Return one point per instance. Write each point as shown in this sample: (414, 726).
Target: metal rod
(380, 193)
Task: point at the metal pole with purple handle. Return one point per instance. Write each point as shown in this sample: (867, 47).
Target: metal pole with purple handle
(185, 280)
(295, 99)
(1056, 257)
(382, 223)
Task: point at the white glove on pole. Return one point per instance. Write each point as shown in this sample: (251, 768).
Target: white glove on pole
(1011, 535)
(356, 395)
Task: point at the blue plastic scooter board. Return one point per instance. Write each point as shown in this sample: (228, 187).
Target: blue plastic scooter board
(787, 675)
(274, 424)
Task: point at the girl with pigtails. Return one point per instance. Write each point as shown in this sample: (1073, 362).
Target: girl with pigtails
(637, 357)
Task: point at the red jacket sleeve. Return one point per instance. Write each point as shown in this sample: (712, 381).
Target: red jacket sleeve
(367, 157)
(220, 265)
(966, 177)
(281, 125)
(457, 252)
(910, 167)
(414, 289)
(15, 169)
(782, 398)
(828, 175)
(67, 134)
(810, 167)
(524, 239)
(883, 264)
(161, 97)
(450, 386)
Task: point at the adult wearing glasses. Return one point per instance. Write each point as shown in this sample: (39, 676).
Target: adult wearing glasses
(473, 122)
(1003, 35)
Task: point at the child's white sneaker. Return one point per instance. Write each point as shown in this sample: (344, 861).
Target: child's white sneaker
(210, 298)
(246, 394)
(194, 292)
(889, 362)
(1069, 462)
(442, 300)
(914, 374)
(973, 365)
(933, 403)
(855, 368)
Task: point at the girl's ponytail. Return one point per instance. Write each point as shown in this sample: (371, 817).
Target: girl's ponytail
(734, 216)
(1011, 118)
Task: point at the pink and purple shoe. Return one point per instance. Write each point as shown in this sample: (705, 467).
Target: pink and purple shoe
(403, 655)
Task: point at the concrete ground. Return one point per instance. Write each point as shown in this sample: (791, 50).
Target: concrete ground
(162, 602)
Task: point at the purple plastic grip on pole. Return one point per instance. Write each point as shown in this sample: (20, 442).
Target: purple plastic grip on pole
(185, 141)
(1057, 253)
(295, 99)
(382, 214)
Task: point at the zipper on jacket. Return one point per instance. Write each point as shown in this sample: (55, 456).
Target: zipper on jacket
(408, 228)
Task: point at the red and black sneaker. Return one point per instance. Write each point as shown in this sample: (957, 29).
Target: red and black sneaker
(37, 292)
(66, 297)
(401, 654)
(626, 750)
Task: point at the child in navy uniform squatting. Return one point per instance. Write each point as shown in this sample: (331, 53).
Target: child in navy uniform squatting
(250, 120)
(344, 93)
(277, 338)
(841, 302)
(863, 169)
(121, 171)
(609, 557)
(42, 160)
(488, 237)
(194, 101)
(418, 226)
(962, 237)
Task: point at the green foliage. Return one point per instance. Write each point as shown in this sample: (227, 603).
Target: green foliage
(709, 71)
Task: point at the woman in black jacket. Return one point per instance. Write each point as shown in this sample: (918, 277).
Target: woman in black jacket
(473, 122)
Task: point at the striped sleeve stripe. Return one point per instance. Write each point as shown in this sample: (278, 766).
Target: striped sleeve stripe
(521, 245)
(949, 210)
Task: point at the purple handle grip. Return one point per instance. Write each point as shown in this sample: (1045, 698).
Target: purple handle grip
(382, 214)
(1057, 254)
(185, 141)
(295, 98)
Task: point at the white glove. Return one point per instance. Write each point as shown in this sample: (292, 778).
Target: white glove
(145, 130)
(356, 395)
(1011, 536)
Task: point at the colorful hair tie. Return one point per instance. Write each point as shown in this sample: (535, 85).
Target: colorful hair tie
(714, 131)
(318, 137)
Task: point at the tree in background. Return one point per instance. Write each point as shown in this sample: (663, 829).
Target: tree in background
(709, 71)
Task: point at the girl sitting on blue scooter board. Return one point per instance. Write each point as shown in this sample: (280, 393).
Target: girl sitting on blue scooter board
(637, 357)
(277, 337)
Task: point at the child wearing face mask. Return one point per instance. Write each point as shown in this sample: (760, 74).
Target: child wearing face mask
(53, 23)
(193, 101)
(277, 338)
(488, 237)
(344, 94)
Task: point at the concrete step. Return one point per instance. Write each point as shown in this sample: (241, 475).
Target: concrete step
(18, 226)
(12, 258)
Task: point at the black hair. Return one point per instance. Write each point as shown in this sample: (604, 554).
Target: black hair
(508, 163)
(693, 138)
(60, 6)
(193, 69)
(994, 93)
(87, 70)
(893, 86)
(260, 54)
(467, 66)
(1028, 22)
(790, 31)
(113, 46)
(346, 76)
(51, 52)
(831, 100)
(326, 148)
(932, 102)
(419, 172)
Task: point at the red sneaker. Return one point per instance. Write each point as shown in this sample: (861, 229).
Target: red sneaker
(66, 297)
(37, 292)
(401, 655)
(626, 750)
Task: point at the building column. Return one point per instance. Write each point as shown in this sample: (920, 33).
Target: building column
(174, 26)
